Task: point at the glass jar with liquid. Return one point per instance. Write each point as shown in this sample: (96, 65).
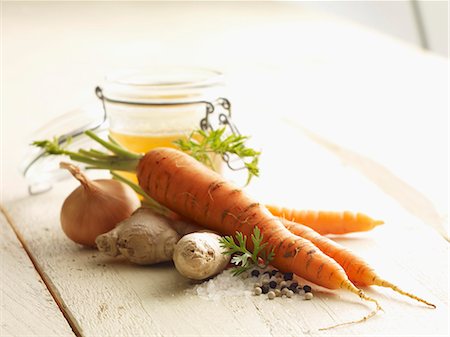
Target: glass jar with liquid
(142, 109)
(153, 107)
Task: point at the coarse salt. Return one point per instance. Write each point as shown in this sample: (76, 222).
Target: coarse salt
(223, 285)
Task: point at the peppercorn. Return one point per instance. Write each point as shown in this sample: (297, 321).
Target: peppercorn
(255, 273)
(274, 272)
(288, 276)
(289, 293)
(293, 288)
(272, 284)
(271, 295)
(283, 284)
(258, 291)
(309, 296)
(265, 288)
(307, 289)
(277, 292)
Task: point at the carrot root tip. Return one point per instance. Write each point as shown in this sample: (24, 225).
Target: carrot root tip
(402, 292)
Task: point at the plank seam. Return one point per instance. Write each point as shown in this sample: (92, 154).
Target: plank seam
(59, 303)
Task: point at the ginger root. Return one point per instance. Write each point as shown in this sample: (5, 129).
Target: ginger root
(199, 255)
(143, 238)
(148, 238)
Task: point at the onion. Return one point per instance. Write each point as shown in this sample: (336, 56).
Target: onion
(95, 207)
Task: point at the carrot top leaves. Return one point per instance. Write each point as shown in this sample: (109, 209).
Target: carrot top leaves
(147, 201)
(200, 144)
(116, 159)
(243, 258)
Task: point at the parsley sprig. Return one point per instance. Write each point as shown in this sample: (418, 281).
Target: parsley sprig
(242, 257)
(201, 144)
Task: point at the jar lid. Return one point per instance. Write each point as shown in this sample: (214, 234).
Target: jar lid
(42, 171)
(163, 85)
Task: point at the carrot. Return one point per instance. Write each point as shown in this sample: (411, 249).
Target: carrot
(188, 188)
(327, 222)
(358, 271)
(185, 186)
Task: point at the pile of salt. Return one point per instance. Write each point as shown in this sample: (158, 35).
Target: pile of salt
(223, 285)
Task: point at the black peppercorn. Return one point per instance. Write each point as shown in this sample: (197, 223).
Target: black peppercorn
(265, 288)
(255, 273)
(288, 276)
(293, 287)
(272, 284)
(307, 289)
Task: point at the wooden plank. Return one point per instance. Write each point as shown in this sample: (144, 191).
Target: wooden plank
(112, 297)
(27, 307)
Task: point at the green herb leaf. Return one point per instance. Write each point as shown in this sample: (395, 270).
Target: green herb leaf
(242, 257)
(201, 144)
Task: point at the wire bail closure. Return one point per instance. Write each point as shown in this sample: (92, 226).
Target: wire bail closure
(206, 123)
(224, 118)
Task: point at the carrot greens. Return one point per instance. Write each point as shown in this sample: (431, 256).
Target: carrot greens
(118, 159)
(201, 144)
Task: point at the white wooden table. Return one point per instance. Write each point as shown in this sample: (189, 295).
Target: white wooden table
(334, 138)
(100, 296)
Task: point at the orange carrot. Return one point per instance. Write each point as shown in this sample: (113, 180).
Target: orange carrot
(185, 186)
(358, 271)
(188, 188)
(327, 222)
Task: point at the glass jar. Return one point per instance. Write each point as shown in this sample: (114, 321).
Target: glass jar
(142, 109)
(153, 107)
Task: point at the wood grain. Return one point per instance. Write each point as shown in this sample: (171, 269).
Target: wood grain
(106, 297)
(27, 307)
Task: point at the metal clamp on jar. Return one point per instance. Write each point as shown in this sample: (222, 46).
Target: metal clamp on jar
(154, 107)
(142, 109)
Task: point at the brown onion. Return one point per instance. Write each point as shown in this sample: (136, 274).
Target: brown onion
(95, 207)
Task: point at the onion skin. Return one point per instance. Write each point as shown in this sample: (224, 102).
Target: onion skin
(95, 207)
